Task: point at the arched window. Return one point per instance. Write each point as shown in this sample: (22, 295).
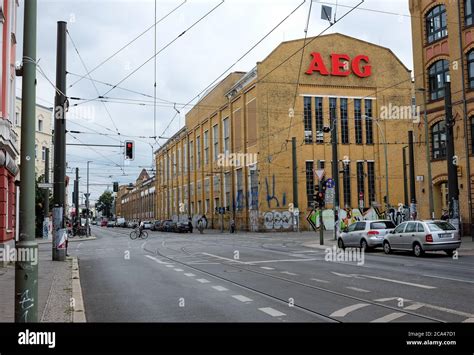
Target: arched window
(438, 140)
(436, 24)
(472, 134)
(470, 68)
(468, 12)
(438, 74)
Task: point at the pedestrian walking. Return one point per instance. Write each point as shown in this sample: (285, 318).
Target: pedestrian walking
(190, 225)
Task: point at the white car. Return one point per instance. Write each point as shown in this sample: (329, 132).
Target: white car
(147, 224)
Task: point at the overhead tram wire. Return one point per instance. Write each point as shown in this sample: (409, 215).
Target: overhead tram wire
(154, 86)
(238, 60)
(128, 44)
(92, 82)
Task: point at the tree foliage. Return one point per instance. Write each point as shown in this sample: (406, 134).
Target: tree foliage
(104, 204)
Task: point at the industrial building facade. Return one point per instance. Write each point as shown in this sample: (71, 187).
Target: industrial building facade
(443, 45)
(233, 158)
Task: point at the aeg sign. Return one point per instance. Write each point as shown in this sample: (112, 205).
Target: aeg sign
(341, 65)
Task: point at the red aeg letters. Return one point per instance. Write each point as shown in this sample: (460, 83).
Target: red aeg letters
(360, 65)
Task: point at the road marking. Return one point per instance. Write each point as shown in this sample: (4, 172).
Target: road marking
(272, 312)
(323, 281)
(289, 273)
(266, 268)
(357, 289)
(400, 282)
(242, 298)
(283, 260)
(414, 307)
(169, 265)
(449, 278)
(386, 299)
(342, 275)
(306, 251)
(179, 270)
(157, 260)
(220, 288)
(469, 320)
(438, 308)
(203, 281)
(189, 275)
(346, 310)
(221, 257)
(388, 317)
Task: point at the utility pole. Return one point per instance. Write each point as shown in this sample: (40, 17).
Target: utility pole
(87, 200)
(46, 192)
(76, 198)
(335, 176)
(411, 154)
(453, 189)
(321, 227)
(295, 182)
(59, 231)
(405, 177)
(26, 272)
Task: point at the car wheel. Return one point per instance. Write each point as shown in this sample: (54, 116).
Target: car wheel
(449, 252)
(363, 245)
(387, 248)
(340, 244)
(417, 250)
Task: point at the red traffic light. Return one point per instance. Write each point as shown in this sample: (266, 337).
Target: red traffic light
(129, 151)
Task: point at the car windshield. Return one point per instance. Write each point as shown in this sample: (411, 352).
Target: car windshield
(440, 226)
(382, 225)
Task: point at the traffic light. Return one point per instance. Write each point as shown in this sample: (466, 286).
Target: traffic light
(116, 187)
(129, 150)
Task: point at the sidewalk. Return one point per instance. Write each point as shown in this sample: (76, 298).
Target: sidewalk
(54, 289)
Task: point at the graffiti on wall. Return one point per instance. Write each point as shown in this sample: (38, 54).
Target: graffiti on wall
(272, 197)
(278, 220)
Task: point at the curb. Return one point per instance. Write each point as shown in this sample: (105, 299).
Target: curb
(70, 240)
(79, 313)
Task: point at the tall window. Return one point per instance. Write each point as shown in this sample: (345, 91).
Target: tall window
(472, 134)
(344, 123)
(308, 120)
(371, 181)
(438, 74)
(358, 120)
(227, 189)
(226, 136)
(346, 183)
(470, 68)
(40, 125)
(369, 130)
(174, 164)
(191, 156)
(36, 151)
(436, 24)
(43, 154)
(360, 180)
(310, 183)
(178, 164)
(319, 120)
(206, 147)
(240, 189)
(185, 159)
(333, 112)
(215, 137)
(468, 12)
(438, 140)
(198, 152)
(254, 188)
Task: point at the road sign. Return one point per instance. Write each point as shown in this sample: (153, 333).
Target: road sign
(330, 195)
(320, 173)
(45, 185)
(330, 184)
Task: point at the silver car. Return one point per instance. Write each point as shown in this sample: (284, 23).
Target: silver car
(365, 234)
(421, 236)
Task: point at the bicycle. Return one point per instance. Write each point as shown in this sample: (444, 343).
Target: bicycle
(140, 234)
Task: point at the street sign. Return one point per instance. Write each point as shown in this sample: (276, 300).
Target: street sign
(320, 173)
(330, 195)
(45, 185)
(330, 184)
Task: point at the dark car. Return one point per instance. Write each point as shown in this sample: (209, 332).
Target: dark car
(182, 227)
(156, 226)
(167, 226)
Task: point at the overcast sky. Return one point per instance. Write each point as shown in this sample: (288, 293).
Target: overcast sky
(184, 69)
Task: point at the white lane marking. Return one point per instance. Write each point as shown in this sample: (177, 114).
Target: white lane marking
(242, 298)
(169, 265)
(346, 310)
(157, 260)
(289, 273)
(386, 299)
(179, 270)
(221, 257)
(400, 282)
(272, 312)
(202, 263)
(438, 308)
(357, 289)
(306, 251)
(388, 317)
(266, 268)
(283, 260)
(189, 275)
(322, 281)
(220, 288)
(469, 320)
(449, 278)
(342, 275)
(414, 307)
(203, 281)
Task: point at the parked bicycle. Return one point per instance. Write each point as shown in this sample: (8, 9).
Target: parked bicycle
(139, 233)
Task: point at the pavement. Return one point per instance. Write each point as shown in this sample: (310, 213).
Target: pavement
(269, 277)
(59, 292)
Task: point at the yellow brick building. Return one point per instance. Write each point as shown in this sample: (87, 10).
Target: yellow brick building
(235, 151)
(443, 44)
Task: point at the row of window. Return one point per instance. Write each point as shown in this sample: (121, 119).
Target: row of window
(43, 152)
(436, 21)
(438, 139)
(346, 182)
(343, 117)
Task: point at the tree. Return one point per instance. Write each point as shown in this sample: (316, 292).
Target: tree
(104, 204)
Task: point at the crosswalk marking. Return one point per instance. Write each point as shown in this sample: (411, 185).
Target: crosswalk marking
(389, 317)
(242, 298)
(189, 275)
(220, 288)
(357, 289)
(271, 311)
(203, 281)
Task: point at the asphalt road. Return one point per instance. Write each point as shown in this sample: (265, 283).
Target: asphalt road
(264, 278)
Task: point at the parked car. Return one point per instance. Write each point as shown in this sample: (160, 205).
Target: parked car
(103, 223)
(110, 224)
(132, 224)
(167, 226)
(182, 227)
(147, 224)
(120, 222)
(156, 225)
(94, 223)
(365, 234)
(421, 236)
